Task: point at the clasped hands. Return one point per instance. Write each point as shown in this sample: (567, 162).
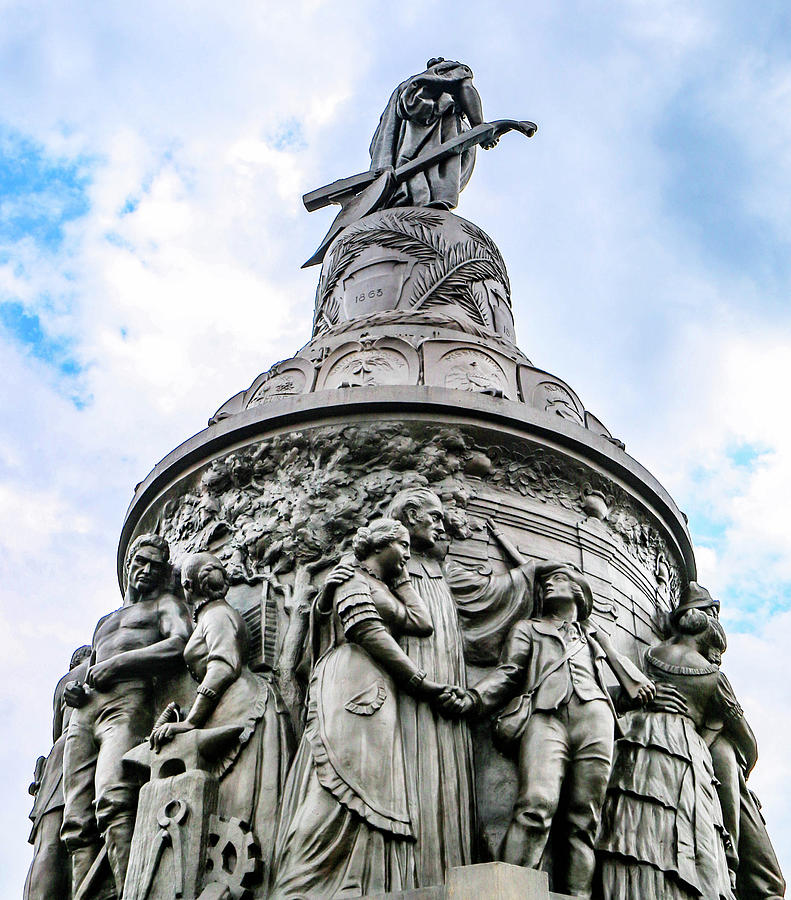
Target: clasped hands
(454, 701)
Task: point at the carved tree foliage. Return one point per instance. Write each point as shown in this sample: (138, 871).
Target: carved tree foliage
(298, 498)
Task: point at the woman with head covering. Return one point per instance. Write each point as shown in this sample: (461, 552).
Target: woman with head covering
(425, 111)
(662, 834)
(252, 773)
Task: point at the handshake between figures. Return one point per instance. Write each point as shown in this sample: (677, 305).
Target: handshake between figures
(455, 702)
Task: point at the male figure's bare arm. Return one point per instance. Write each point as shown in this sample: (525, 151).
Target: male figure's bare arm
(106, 626)
(75, 694)
(175, 626)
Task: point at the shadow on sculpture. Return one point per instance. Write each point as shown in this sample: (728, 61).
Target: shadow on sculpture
(49, 872)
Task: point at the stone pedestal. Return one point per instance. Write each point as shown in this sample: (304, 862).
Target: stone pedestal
(180, 845)
(185, 803)
(488, 881)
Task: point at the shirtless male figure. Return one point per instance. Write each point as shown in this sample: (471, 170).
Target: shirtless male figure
(113, 710)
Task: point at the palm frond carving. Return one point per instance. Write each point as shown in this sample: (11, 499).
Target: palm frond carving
(490, 249)
(409, 232)
(449, 274)
(450, 280)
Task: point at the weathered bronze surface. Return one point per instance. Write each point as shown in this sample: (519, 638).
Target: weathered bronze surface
(50, 869)
(422, 153)
(112, 711)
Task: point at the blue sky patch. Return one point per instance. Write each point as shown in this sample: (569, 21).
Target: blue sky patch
(705, 528)
(26, 329)
(130, 206)
(746, 455)
(114, 238)
(710, 177)
(754, 602)
(39, 194)
(287, 136)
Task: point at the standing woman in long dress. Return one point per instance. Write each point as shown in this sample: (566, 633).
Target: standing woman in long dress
(253, 772)
(662, 835)
(345, 828)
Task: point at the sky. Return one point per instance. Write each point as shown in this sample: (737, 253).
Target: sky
(152, 161)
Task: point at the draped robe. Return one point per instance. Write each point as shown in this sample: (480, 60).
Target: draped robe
(420, 115)
(471, 608)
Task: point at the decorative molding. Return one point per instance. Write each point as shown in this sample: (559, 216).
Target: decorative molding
(468, 367)
(370, 362)
(284, 379)
(297, 498)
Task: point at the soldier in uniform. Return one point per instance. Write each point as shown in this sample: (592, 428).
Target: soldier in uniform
(48, 875)
(563, 719)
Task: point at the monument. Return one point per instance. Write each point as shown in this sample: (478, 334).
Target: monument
(425, 614)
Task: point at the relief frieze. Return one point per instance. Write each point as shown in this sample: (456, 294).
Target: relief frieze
(297, 499)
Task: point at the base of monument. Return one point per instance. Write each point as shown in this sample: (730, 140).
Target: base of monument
(492, 881)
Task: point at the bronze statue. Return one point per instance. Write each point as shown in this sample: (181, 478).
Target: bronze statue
(734, 751)
(424, 112)
(358, 664)
(470, 610)
(346, 826)
(662, 834)
(560, 713)
(423, 150)
(252, 771)
(49, 872)
(113, 710)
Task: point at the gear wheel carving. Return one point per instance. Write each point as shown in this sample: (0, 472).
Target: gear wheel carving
(233, 857)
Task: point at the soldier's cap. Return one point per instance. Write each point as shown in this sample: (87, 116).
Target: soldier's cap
(585, 607)
(697, 597)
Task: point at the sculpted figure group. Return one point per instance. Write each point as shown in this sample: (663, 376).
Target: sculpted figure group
(631, 783)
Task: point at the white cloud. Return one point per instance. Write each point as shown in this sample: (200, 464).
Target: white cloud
(754, 664)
